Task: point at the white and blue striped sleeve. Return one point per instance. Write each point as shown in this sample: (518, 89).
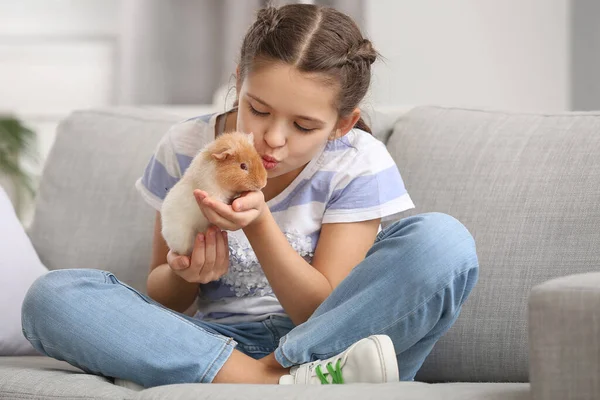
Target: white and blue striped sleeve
(161, 173)
(368, 188)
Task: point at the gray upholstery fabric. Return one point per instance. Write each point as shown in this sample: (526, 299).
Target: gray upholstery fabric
(41, 378)
(527, 188)
(381, 120)
(392, 391)
(45, 378)
(564, 326)
(88, 213)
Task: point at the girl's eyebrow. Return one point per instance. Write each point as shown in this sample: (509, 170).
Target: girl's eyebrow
(256, 98)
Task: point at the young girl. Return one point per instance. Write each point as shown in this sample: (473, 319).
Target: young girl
(296, 283)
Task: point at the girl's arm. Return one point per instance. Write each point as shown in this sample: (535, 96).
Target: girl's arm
(163, 285)
(299, 286)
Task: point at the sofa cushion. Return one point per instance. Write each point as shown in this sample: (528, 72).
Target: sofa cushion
(88, 213)
(356, 391)
(527, 186)
(46, 378)
(20, 267)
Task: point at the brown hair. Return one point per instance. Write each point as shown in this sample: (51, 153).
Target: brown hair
(313, 39)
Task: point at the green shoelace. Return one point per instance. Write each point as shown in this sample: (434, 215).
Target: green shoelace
(336, 374)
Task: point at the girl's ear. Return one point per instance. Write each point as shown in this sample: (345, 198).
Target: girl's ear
(346, 123)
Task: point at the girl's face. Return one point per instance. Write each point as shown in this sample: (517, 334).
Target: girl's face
(290, 113)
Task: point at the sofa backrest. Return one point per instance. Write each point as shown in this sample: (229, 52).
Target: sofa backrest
(88, 213)
(527, 186)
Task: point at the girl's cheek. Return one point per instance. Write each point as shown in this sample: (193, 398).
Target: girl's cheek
(244, 124)
(252, 126)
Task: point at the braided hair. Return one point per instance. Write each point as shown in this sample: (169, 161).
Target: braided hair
(313, 38)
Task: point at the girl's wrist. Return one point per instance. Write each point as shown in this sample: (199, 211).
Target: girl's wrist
(259, 221)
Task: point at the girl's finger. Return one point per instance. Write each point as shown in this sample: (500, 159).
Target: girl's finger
(222, 216)
(225, 264)
(217, 220)
(181, 263)
(219, 207)
(232, 221)
(249, 200)
(238, 205)
(210, 215)
(210, 251)
(198, 256)
(200, 194)
(220, 254)
(245, 202)
(177, 261)
(243, 218)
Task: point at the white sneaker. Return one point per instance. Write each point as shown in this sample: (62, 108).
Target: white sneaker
(370, 360)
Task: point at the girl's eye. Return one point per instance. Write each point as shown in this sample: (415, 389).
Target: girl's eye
(244, 166)
(264, 114)
(302, 129)
(256, 112)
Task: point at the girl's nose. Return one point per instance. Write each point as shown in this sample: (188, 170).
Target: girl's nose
(275, 136)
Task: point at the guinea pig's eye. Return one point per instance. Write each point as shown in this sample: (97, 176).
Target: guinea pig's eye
(244, 166)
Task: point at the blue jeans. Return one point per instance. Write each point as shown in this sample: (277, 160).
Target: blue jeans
(410, 286)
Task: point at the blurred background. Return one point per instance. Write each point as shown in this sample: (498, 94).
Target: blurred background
(60, 55)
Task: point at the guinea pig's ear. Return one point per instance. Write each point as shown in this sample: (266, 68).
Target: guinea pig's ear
(251, 137)
(222, 155)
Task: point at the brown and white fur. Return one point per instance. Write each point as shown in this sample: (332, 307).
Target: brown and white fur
(224, 169)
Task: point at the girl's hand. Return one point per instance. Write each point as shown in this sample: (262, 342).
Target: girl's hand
(244, 210)
(209, 260)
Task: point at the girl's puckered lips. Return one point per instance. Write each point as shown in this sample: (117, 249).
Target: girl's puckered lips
(269, 162)
(270, 159)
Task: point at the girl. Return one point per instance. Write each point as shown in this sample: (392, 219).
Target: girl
(296, 283)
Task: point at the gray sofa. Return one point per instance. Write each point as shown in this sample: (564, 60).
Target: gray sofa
(527, 187)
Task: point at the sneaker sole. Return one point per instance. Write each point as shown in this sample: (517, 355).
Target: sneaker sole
(387, 353)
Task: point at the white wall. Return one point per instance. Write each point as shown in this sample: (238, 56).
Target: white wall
(55, 56)
(510, 54)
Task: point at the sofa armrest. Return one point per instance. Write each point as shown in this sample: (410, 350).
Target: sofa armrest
(564, 338)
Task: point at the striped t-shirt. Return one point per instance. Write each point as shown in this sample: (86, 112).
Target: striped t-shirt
(350, 179)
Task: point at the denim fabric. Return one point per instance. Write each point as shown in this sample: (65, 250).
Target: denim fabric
(410, 286)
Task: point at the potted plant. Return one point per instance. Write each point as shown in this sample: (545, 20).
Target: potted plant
(16, 144)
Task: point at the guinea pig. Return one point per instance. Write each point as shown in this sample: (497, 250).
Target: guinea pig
(224, 168)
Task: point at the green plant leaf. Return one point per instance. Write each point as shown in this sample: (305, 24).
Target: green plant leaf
(16, 140)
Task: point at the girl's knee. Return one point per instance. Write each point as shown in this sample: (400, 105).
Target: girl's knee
(429, 226)
(453, 237)
(450, 240)
(53, 288)
(440, 244)
(51, 283)
(434, 260)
